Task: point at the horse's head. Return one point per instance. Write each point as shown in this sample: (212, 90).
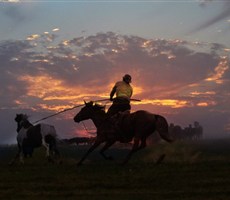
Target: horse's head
(20, 117)
(22, 120)
(88, 111)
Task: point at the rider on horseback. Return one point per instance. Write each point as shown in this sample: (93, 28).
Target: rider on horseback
(123, 91)
(121, 104)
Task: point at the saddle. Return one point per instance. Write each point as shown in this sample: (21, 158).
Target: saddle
(117, 122)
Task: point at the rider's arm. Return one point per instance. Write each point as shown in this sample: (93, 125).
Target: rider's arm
(112, 92)
(131, 91)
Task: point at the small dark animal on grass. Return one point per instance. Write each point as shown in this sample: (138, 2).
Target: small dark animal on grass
(32, 136)
(123, 127)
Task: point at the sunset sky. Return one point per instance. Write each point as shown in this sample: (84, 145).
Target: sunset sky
(56, 54)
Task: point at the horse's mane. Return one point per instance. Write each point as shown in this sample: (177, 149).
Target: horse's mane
(98, 107)
(95, 106)
(24, 116)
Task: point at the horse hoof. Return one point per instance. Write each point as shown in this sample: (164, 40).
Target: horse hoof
(50, 160)
(10, 163)
(160, 159)
(123, 163)
(109, 158)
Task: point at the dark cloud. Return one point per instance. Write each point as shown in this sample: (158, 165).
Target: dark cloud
(108, 53)
(224, 14)
(14, 12)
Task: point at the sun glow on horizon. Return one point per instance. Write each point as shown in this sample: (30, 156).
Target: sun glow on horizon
(173, 103)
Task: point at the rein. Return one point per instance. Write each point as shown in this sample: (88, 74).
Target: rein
(85, 127)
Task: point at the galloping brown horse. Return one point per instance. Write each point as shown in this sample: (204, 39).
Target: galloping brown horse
(137, 126)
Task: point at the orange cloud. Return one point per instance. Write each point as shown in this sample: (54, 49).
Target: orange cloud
(33, 37)
(173, 103)
(52, 90)
(196, 93)
(57, 96)
(206, 103)
(220, 69)
(40, 86)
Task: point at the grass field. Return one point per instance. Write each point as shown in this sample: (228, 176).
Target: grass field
(199, 171)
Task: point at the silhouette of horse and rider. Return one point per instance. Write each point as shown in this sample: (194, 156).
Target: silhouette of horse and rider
(118, 124)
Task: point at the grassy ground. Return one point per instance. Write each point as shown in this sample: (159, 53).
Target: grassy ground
(198, 171)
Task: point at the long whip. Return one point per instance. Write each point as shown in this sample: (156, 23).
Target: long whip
(57, 113)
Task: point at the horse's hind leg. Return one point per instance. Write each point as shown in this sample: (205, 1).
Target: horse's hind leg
(47, 146)
(55, 152)
(134, 149)
(51, 148)
(160, 159)
(143, 143)
(47, 149)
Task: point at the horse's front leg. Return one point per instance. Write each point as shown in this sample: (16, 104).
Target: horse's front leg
(94, 146)
(18, 155)
(56, 157)
(107, 145)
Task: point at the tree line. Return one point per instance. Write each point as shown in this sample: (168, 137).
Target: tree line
(191, 132)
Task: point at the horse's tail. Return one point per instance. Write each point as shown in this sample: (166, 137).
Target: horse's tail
(163, 128)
